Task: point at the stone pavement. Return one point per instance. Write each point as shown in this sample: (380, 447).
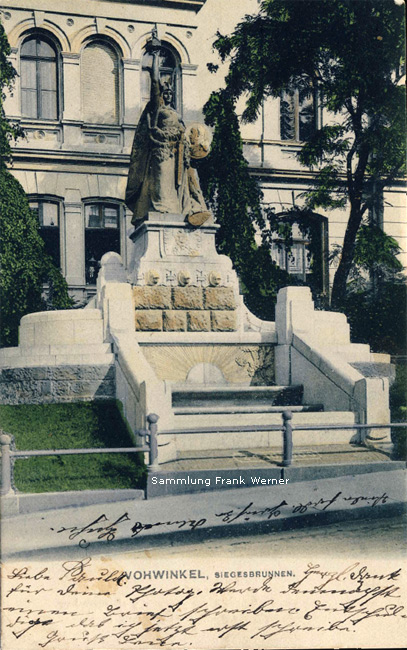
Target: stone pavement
(121, 526)
(266, 457)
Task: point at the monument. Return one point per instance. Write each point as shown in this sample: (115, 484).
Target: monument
(174, 236)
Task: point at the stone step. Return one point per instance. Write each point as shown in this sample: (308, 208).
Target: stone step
(248, 439)
(75, 348)
(203, 395)
(60, 359)
(250, 408)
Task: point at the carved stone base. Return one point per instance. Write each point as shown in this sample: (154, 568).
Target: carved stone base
(180, 282)
(170, 252)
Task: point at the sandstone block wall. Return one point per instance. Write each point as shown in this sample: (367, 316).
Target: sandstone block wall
(181, 309)
(53, 384)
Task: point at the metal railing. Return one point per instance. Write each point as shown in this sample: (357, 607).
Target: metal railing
(8, 454)
(151, 435)
(287, 428)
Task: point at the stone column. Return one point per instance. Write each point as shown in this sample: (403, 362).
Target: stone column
(294, 310)
(191, 109)
(131, 95)
(72, 115)
(74, 236)
(131, 87)
(72, 86)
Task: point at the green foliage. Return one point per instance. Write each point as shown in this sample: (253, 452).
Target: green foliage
(71, 426)
(24, 264)
(375, 248)
(235, 199)
(398, 409)
(21, 250)
(351, 52)
(376, 292)
(378, 316)
(8, 131)
(57, 295)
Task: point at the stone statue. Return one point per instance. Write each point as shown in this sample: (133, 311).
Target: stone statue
(161, 175)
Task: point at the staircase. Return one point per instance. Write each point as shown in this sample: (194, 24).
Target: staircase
(218, 406)
(211, 457)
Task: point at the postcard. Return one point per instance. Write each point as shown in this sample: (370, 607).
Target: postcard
(203, 346)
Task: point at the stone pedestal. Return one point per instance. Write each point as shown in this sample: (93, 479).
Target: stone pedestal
(180, 283)
(169, 252)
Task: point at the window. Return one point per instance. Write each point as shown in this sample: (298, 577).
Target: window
(39, 79)
(100, 84)
(102, 234)
(298, 114)
(48, 219)
(170, 72)
(299, 260)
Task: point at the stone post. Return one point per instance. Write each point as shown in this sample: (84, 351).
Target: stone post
(152, 420)
(287, 439)
(5, 442)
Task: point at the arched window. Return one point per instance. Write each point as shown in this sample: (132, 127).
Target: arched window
(298, 112)
(170, 72)
(102, 234)
(47, 211)
(39, 78)
(100, 84)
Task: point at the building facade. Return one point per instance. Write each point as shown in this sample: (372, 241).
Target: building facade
(82, 83)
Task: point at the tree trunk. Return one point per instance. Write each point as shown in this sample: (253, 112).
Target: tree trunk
(345, 263)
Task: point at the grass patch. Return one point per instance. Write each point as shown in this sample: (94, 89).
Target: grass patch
(72, 426)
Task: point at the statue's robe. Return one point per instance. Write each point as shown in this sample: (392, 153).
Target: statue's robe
(160, 176)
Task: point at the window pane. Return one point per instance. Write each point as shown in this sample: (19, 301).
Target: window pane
(28, 74)
(29, 103)
(48, 75)
(45, 50)
(110, 217)
(166, 59)
(306, 113)
(306, 122)
(35, 209)
(49, 216)
(48, 105)
(93, 216)
(287, 116)
(295, 259)
(100, 84)
(97, 243)
(51, 241)
(29, 48)
(40, 78)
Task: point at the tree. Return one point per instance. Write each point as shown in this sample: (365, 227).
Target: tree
(8, 130)
(235, 198)
(24, 265)
(351, 53)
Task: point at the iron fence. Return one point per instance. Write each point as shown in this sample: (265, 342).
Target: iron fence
(151, 436)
